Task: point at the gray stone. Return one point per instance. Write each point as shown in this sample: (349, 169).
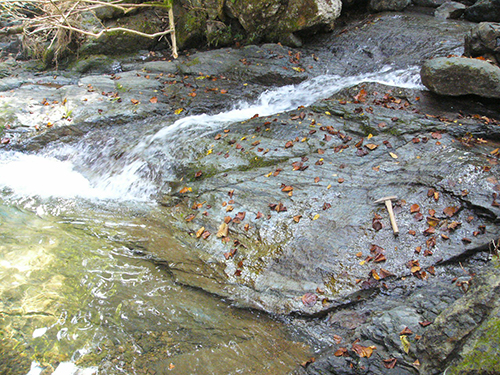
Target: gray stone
(428, 3)
(450, 10)
(483, 40)
(457, 76)
(484, 10)
(384, 5)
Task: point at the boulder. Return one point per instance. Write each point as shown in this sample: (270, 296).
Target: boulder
(457, 76)
(428, 3)
(450, 10)
(465, 338)
(383, 5)
(484, 10)
(483, 40)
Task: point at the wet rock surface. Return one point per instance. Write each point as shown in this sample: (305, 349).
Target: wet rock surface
(457, 76)
(482, 40)
(277, 212)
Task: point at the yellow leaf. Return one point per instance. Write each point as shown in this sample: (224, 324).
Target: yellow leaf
(327, 113)
(223, 230)
(369, 136)
(200, 232)
(209, 152)
(269, 174)
(362, 262)
(329, 186)
(316, 217)
(185, 189)
(393, 155)
(178, 111)
(405, 342)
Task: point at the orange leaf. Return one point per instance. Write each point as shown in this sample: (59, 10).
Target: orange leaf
(450, 211)
(363, 351)
(414, 208)
(134, 101)
(153, 100)
(223, 91)
(297, 218)
(309, 299)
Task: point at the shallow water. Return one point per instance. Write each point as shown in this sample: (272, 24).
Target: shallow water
(77, 285)
(77, 288)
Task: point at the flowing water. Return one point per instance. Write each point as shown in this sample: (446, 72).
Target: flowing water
(80, 292)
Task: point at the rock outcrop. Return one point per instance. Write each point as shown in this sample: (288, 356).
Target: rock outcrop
(450, 10)
(484, 11)
(484, 40)
(457, 76)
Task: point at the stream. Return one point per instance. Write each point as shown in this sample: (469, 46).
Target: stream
(81, 294)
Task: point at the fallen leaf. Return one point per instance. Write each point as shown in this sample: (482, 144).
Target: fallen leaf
(223, 230)
(190, 217)
(425, 323)
(309, 299)
(205, 234)
(223, 91)
(171, 366)
(229, 208)
(363, 351)
(153, 100)
(389, 363)
(377, 225)
(341, 352)
(450, 211)
(406, 331)
(289, 144)
(393, 155)
(134, 101)
(308, 362)
(198, 174)
(371, 146)
(286, 188)
(200, 232)
(316, 179)
(316, 217)
(178, 111)
(297, 218)
(384, 273)
(259, 215)
(414, 208)
(361, 96)
(405, 342)
(340, 180)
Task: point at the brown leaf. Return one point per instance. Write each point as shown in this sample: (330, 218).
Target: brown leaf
(361, 96)
(297, 218)
(450, 211)
(316, 179)
(412, 232)
(198, 174)
(309, 299)
(371, 146)
(229, 208)
(425, 323)
(326, 206)
(430, 192)
(377, 225)
(280, 207)
(360, 143)
(419, 216)
(286, 188)
(289, 144)
(337, 339)
(185, 189)
(134, 101)
(389, 363)
(153, 100)
(308, 362)
(205, 234)
(380, 258)
(341, 352)
(429, 231)
(363, 351)
(190, 217)
(436, 135)
(321, 151)
(384, 273)
(406, 331)
(454, 225)
(414, 208)
(259, 215)
(340, 180)
(240, 216)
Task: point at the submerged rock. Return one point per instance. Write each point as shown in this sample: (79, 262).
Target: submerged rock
(457, 76)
